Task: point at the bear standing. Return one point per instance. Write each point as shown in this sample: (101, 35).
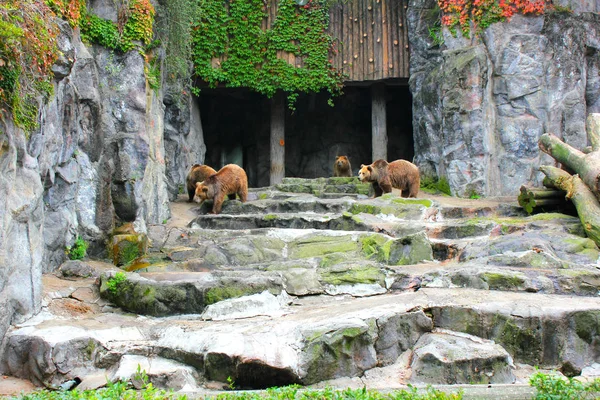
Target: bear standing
(341, 166)
(229, 181)
(198, 173)
(400, 174)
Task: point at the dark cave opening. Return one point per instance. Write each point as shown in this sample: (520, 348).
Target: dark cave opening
(236, 125)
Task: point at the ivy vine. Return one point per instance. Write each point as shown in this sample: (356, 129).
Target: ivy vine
(137, 27)
(27, 52)
(230, 46)
(463, 14)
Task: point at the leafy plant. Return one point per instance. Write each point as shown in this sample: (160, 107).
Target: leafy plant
(114, 390)
(435, 33)
(462, 14)
(230, 46)
(27, 52)
(435, 185)
(174, 28)
(79, 249)
(295, 392)
(114, 282)
(473, 195)
(69, 10)
(556, 387)
(137, 26)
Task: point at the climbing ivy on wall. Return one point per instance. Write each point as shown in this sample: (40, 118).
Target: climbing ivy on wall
(137, 26)
(462, 14)
(69, 10)
(28, 33)
(230, 46)
(27, 52)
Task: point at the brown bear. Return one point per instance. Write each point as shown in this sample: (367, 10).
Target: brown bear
(341, 166)
(400, 174)
(229, 181)
(197, 173)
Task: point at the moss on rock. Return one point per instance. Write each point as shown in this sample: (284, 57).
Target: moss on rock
(501, 281)
(319, 245)
(353, 274)
(125, 248)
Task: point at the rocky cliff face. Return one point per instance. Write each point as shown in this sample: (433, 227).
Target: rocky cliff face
(490, 98)
(98, 159)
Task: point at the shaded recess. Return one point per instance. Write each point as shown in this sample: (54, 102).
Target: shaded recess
(236, 125)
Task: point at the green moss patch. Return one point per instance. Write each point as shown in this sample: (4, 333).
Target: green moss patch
(320, 245)
(354, 274)
(499, 281)
(376, 247)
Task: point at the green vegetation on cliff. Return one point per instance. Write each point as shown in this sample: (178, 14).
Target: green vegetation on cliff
(28, 50)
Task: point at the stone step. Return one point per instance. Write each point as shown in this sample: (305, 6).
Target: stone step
(320, 186)
(317, 339)
(386, 205)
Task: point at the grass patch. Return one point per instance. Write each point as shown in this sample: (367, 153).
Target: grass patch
(296, 392)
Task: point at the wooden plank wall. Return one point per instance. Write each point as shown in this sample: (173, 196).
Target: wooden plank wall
(371, 39)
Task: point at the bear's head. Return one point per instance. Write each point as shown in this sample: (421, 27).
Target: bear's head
(203, 192)
(342, 162)
(365, 174)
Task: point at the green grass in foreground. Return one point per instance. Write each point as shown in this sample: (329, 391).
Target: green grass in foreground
(548, 387)
(122, 390)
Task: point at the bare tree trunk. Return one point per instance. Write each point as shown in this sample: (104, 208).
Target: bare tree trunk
(586, 165)
(586, 203)
(277, 139)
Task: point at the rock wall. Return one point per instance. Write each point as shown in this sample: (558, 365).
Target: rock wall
(489, 98)
(97, 160)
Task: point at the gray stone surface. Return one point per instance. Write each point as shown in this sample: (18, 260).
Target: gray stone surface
(489, 99)
(445, 357)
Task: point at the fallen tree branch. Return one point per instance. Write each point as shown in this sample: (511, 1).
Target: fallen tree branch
(585, 201)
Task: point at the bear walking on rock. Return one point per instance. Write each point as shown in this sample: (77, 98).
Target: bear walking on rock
(384, 176)
(198, 173)
(341, 166)
(229, 181)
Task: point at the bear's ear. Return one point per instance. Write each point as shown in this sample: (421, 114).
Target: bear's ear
(370, 169)
(362, 165)
(199, 183)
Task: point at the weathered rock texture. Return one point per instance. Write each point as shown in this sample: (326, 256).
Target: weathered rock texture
(97, 160)
(488, 99)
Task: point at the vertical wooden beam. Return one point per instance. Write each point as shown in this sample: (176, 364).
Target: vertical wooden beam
(277, 139)
(379, 137)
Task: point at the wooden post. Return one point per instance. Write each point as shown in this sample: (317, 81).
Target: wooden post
(379, 137)
(277, 139)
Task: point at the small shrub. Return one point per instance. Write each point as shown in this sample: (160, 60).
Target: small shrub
(115, 282)
(435, 185)
(556, 387)
(79, 249)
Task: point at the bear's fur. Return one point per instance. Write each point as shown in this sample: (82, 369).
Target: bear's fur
(384, 176)
(341, 166)
(229, 181)
(198, 173)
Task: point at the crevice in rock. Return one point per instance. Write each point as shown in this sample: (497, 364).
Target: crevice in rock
(254, 374)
